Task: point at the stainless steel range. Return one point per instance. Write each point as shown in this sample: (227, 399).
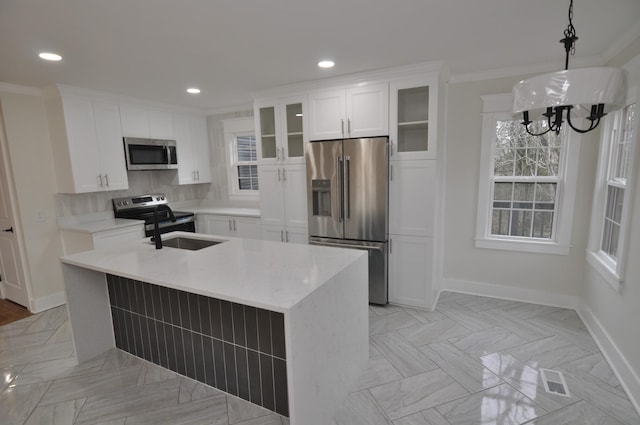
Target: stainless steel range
(142, 208)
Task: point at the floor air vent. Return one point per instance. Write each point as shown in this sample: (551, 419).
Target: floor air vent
(554, 382)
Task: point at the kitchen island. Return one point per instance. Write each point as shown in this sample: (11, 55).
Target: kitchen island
(283, 326)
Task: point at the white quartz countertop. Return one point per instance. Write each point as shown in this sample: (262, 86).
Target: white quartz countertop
(238, 212)
(100, 225)
(264, 274)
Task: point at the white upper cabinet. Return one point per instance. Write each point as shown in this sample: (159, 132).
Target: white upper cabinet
(87, 144)
(413, 118)
(161, 125)
(194, 164)
(145, 122)
(200, 143)
(361, 111)
(110, 146)
(280, 130)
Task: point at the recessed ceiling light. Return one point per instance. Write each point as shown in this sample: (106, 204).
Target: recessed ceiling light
(326, 64)
(298, 115)
(193, 90)
(50, 56)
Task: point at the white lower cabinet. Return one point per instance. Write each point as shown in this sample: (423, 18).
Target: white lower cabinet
(78, 241)
(410, 270)
(288, 234)
(223, 225)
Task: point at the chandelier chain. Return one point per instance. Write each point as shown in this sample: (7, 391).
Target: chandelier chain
(570, 32)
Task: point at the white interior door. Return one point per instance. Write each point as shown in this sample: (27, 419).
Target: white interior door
(13, 283)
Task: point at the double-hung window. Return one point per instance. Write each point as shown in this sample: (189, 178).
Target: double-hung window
(611, 203)
(526, 185)
(243, 159)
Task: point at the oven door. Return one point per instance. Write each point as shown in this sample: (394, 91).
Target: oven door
(150, 154)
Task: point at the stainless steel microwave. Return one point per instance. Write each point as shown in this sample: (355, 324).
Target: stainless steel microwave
(150, 154)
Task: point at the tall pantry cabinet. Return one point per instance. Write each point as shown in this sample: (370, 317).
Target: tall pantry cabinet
(413, 189)
(280, 141)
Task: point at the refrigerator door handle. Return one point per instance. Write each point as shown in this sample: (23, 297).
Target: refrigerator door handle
(347, 188)
(340, 172)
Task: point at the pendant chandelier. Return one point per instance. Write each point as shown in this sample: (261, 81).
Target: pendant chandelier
(578, 93)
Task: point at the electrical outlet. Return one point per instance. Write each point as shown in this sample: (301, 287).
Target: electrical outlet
(40, 216)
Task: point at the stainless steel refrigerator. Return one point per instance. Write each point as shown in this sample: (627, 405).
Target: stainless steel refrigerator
(348, 201)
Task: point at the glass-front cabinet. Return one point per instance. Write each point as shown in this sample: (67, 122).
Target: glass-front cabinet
(267, 132)
(281, 130)
(413, 118)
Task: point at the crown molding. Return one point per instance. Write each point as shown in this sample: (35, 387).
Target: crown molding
(58, 89)
(229, 109)
(517, 71)
(364, 77)
(17, 89)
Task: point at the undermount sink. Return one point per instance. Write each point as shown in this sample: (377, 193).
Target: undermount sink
(191, 244)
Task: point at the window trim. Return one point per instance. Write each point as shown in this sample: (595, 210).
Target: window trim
(232, 129)
(613, 272)
(498, 107)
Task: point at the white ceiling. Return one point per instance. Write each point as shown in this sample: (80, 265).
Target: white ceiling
(155, 49)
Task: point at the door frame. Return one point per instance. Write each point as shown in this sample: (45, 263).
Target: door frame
(17, 224)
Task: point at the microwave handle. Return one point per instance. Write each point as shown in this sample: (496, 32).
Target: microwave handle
(166, 147)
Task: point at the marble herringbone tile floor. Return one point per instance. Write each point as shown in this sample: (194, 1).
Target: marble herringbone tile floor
(474, 360)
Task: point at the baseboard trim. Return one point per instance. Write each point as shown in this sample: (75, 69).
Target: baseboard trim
(510, 293)
(50, 301)
(618, 362)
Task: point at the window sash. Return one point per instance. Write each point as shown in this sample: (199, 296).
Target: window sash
(245, 164)
(523, 215)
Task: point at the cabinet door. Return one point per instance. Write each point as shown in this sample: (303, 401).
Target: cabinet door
(83, 144)
(295, 195)
(112, 238)
(294, 123)
(110, 146)
(219, 225)
(135, 121)
(410, 270)
(161, 125)
(272, 233)
(186, 160)
(246, 227)
(271, 195)
(200, 146)
(368, 111)
(412, 197)
(413, 118)
(267, 128)
(327, 112)
(296, 235)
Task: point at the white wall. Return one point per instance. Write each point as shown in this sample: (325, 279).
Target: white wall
(34, 181)
(509, 273)
(618, 314)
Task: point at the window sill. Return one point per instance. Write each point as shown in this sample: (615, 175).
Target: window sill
(598, 262)
(533, 247)
(244, 196)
